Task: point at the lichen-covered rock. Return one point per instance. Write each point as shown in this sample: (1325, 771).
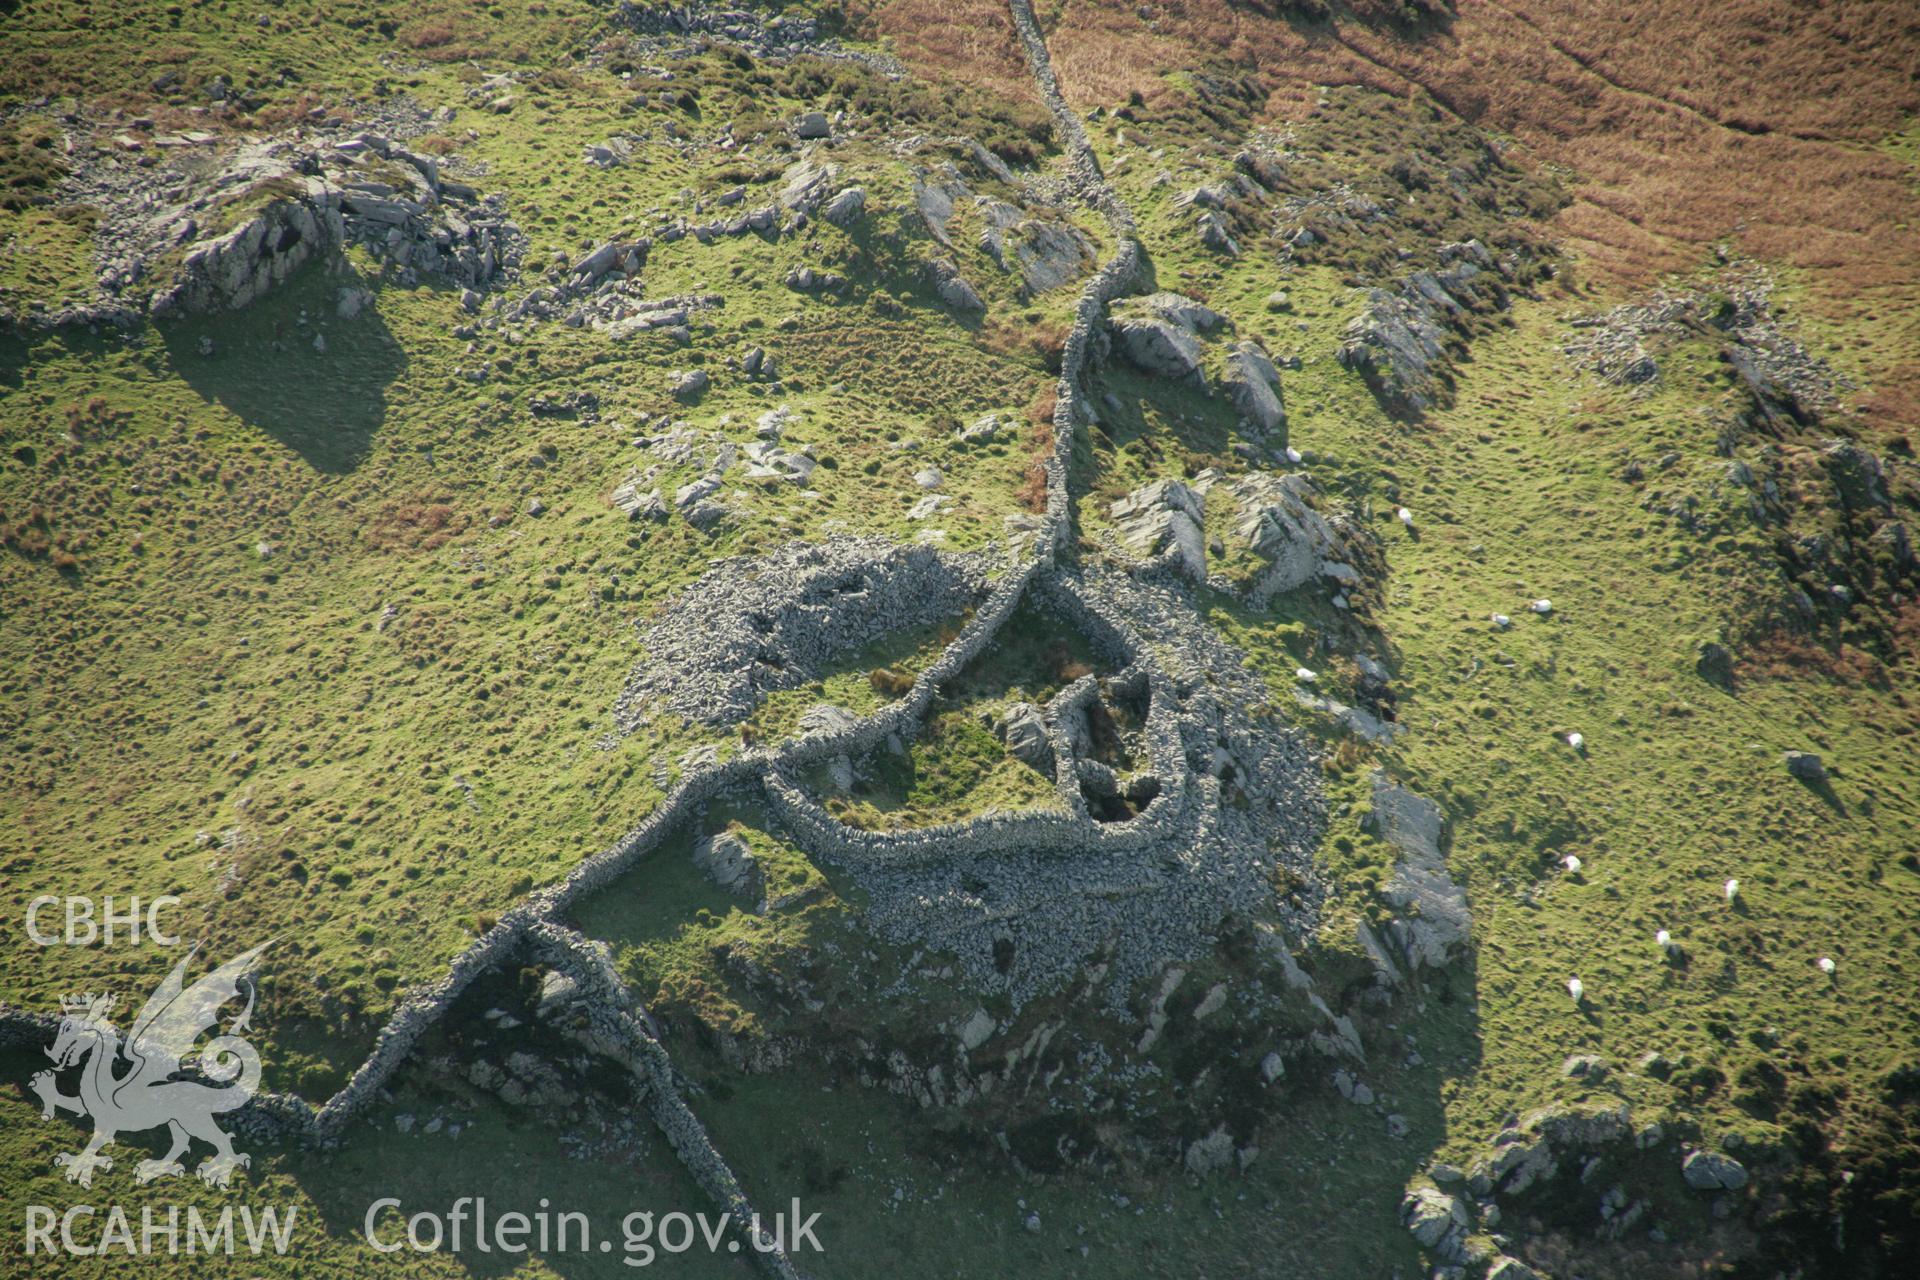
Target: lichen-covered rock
(1023, 727)
(846, 207)
(1711, 1171)
(1432, 923)
(727, 861)
(1165, 516)
(1437, 1220)
(1253, 384)
(1278, 521)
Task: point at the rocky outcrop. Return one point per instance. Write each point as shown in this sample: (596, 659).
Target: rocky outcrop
(1431, 924)
(1165, 518)
(1281, 522)
(1045, 254)
(1252, 382)
(305, 199)
(726, 860)
(1399, 341)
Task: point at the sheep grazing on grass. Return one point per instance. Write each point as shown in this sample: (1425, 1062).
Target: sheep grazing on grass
(1502, 621)
(1293, 455)
(1577, 989)
(1732, 890)
(1404, 516)
(1826, 965)
(1578, 741)
(1304, 675)
(1572, 863)
(1542, 607)
(1663, 939)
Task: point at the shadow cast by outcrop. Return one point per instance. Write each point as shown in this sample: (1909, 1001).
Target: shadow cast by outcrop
(308, 365)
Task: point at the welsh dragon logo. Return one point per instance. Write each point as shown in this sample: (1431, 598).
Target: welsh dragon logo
(146, 1094)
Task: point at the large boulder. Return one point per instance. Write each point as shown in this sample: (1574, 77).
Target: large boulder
(1023, 727)
(1437, 1220)
(1711, 1171)
(729, 863)
(1160, 347)
(1165, 517)
(1432, 924)
(846, 207)
(1279, 523)
(806, 182)
(1253, 384)
(1161, 334)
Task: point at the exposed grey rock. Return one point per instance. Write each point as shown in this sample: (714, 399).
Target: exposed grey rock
(691, 384)
(846, 207)
(1046, 254)
(1160, 334)
(1279, 522)
(811, 124)
(1160, 347)
(558, 992)
(1215, 232)
(1023, 727)
(1433, 923)
(806, 182)
(726, 860)
(1806, 766)
(953, 290)
(636, 505)
(976, 1030)
(981, 430)
(1253, 384)
(1711, 1171)
(1397, 343)
(1210, 1154)
(1165, 517)
(1437, 1220)
(936, 196)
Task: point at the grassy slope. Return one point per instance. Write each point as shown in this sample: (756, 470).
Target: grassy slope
(393, 780)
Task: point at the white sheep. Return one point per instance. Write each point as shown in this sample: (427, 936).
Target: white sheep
(1572, 863)
(1577, 741)
(1732, 890)
(1576, 989)
(1826, 965)
(1304, 675)
(1543, 607)
(1404, 516)
(1502, 621)
(1663, 939)
(1293, 455)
